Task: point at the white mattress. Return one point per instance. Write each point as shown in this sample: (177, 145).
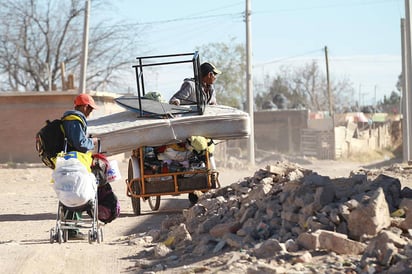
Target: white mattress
(124, 131)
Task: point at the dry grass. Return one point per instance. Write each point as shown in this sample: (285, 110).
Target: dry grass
(371, 156)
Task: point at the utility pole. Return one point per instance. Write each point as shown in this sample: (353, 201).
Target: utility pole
(407, 74)
(331, 113)
(83, 69)
(249, 84)
(328, 83)
(405, 97)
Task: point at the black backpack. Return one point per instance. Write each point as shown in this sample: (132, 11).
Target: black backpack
(50, 140)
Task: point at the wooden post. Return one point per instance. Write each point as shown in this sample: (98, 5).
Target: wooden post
(63, 69)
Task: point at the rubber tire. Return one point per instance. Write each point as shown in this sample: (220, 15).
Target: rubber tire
(193, 198)
(154, 202)
(100, 235)
(90, 237)
(60, 236)
(135, 189)
(52, 236)
(65, 235)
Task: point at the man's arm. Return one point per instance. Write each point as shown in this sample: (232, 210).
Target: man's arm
(76, 136)
(184, 95)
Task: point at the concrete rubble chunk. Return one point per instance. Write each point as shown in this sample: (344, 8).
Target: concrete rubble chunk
(268, 248)
(161, 250)
(278, 170)
(309, 241)
(339, 243)
(180, 234)
(221, 229)
(370, 217)
(384, 247)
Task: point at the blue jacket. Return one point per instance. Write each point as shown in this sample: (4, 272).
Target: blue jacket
(76, 132)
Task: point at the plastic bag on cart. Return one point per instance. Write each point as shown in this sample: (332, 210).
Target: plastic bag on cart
(73, 183)
(100, 167)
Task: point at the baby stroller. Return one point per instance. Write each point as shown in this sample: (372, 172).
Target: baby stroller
(76, 188)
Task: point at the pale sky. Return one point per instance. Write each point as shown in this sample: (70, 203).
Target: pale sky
(363, 36)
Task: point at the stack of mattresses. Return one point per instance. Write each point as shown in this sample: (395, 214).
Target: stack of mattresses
(124, 131)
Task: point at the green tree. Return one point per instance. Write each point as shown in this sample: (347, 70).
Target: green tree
(390, 104)
(394, 99)
(38, 36)
(231, 60)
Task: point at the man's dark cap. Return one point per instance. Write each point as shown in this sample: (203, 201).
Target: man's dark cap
(205, 68)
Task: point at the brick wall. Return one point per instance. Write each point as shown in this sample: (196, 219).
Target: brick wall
(23, 114)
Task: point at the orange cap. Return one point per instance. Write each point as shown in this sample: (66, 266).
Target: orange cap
(85, 99)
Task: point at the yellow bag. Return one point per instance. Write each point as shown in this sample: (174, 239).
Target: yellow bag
(85, 158)
(201, 144)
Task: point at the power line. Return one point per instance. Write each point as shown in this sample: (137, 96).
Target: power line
(288, 58)
(234, 15)
(346, 4)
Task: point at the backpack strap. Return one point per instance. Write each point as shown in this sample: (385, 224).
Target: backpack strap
(71, 117)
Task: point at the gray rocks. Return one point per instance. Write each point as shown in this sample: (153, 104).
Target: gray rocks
(283, 214)
(370, 216)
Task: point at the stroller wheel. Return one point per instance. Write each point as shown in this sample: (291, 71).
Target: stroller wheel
(60, 236)
(65, 235)
(90, 237)
(52, 236)
(99, 235)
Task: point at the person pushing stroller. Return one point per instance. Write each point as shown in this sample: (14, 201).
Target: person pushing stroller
(76, 133)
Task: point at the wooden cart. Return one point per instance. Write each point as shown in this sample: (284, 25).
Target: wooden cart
(148, 183)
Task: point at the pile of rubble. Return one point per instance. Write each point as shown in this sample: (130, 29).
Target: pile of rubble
(287, 219)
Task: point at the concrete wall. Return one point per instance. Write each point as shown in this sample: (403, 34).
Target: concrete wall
(23, 114)
(279, 130)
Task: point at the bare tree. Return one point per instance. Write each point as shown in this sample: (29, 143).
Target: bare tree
(306, 86)
(38, 36)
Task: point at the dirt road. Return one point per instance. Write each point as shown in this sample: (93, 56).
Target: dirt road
(28, 207)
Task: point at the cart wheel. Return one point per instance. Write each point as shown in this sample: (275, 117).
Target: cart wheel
(60, 236)
(193, 198)
(135, 189)
(154, 202)
(52, 236)
(136, 201)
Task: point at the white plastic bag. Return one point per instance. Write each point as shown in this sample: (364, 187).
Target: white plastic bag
(113, 174)
(73, 184)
